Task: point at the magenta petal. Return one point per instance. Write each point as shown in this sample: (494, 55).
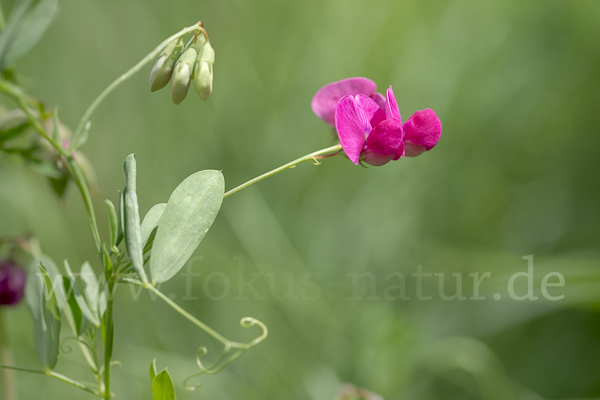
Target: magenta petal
(379, 99)
(423, 128)
(413, 150)
(391, 106)
(400, 151)
(383, 142)
(352, 125)
(326, 99)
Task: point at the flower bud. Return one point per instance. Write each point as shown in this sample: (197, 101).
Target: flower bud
(12, 283)
(163, 68)
(182, 75)
(203, 71)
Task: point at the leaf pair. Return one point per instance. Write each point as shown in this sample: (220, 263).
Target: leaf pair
(162, 384)
(182, 222)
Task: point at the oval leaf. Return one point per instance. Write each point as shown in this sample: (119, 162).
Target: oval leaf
(189, 214)
(162, 387)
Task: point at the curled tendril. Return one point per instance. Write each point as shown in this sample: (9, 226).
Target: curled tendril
(226, 357)
(68, 349)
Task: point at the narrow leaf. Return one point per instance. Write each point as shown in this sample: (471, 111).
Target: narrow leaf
(190, 212)
(162, 387)
(121, 217)
(133, 235)
(113, 224)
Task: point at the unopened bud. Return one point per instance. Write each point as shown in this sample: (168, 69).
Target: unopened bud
(12, 283)
(203, 71)
(182, 75)
(163, 68)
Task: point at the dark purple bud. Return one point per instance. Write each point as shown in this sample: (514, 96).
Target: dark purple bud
(12, 283)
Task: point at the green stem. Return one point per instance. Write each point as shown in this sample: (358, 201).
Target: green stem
(312, 156)
(180, 310)
(150, 57)
(9, 382)
(108, 342)
(54, 375)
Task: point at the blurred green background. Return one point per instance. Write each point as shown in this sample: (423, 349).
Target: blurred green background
(516, 85)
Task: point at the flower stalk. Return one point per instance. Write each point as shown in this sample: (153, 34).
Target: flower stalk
(323, 153)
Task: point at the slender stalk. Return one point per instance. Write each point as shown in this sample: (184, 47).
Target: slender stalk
(9, 382)
(150, 57)
(54, 375)
(71, 382)
(180, 310)
(108, 343)
(291, 164)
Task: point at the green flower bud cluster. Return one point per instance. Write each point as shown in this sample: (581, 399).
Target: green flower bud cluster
(181, 65)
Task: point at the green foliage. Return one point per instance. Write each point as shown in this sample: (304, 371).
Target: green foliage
(24, 28)
(133, 236)
(162, 385)
(151, 221)
(190, 212)
(44, 307)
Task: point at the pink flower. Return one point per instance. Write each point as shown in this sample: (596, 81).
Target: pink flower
(369, 125)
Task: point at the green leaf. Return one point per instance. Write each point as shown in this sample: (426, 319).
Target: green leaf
(13, 24)
(30, 23)
(189, 214)
(151, 221)
(91, 289)
(44, 306)
(133, 234)
(113, 224)
(162, 387)
(121, 217)
(87, 314)
(76, 318)
(152, 370)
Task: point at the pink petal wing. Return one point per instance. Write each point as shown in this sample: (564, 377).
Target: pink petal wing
(379, 99)
(326, 99)
(391, 106)
(400, 151)
(352, 125)
(379, 115)
(423, 128)
(383, 142)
